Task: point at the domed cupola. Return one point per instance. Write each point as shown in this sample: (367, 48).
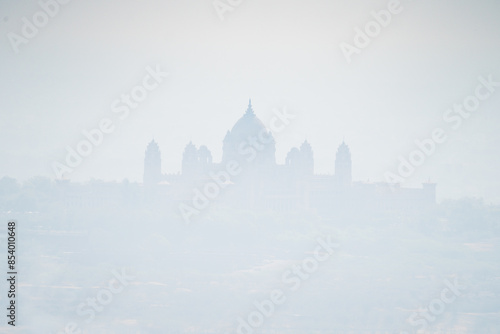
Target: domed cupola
(249, 133)
(152, 164)
(343, 165)
(248, 125)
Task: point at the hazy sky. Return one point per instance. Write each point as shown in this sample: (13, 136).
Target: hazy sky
(281, 54)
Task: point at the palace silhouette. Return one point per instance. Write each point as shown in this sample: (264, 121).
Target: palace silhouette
(257, 182)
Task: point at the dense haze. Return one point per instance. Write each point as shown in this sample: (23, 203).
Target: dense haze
(375, 209)
(281, 54)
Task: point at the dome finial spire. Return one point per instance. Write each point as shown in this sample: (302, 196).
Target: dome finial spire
(249, 109)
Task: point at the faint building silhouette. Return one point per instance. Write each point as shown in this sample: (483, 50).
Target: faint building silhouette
(264, 184)
(249, 142)
(152, 165)
(343, 166)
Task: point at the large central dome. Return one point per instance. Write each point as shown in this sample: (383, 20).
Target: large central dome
(248, 125)
(249, 132)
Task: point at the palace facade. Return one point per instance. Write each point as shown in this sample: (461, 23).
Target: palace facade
(248, 177)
